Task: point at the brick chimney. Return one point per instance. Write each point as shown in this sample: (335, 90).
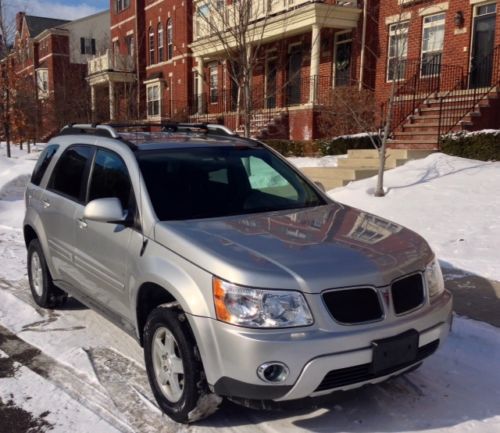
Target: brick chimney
(19, 21)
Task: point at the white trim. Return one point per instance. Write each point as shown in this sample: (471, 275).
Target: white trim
(393, 19)
(434, 9)
(130, 32)
(116, 38)
(153, 81)
(122, 22)
(51, 55)
(169, 62)
(152, 5)
(478, 2)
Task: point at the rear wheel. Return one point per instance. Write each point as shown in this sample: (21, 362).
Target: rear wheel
(174, 369)
(43, 290)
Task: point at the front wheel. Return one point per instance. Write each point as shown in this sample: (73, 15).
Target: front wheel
(174, 369)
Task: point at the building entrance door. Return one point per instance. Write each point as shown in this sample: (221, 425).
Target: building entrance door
(271, 70)
(294, 69)
(483, 43)
(342, 55)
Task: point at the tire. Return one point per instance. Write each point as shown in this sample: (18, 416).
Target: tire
(43, 290)
(174, 368)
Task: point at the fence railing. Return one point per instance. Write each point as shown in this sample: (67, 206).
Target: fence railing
(421, 81)
(456, 104)
(111, 62)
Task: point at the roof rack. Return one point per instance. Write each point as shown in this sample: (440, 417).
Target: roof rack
(110, 130)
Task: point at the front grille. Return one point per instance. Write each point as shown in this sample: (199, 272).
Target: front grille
(350, 306)
(362, 373)
(407, 293)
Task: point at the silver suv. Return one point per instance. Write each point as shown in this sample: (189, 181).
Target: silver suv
(238, 276)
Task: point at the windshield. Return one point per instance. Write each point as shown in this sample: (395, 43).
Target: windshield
(221, 181)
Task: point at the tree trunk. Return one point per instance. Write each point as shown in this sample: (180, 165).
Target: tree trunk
(379, 190)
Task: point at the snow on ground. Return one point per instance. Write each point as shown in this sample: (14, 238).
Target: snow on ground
(325, 161)
(87, 375)
(14, 174)
(453, 202)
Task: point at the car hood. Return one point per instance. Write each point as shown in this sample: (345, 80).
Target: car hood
(309, 249)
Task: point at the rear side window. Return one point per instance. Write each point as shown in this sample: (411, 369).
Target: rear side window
(110, 178)
(68, 176)
(43, 162)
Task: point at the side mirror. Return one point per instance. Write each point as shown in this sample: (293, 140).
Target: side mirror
(106, 210)
(320, 185)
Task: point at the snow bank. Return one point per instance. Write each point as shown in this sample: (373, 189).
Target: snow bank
(453, 202)
(325, 161)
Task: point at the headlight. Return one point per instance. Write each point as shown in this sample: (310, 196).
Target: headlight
(257, 308)
(434, 278)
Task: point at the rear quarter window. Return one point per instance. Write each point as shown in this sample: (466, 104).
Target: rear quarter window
(43, 162)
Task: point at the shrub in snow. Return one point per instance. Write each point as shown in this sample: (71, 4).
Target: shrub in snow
(483, 145)
(340, 145)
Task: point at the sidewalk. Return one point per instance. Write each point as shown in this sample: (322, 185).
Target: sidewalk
(473, 296)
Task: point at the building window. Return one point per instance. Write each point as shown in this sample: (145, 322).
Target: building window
(432, 44)
(87, 46)
(397, 52)
(122, 5)
(213, 83)
(151, 46)
(161, 49)
(116, 47)
(153, 100)
(129, 40)
(170, 39)
(202, 19)
(42, 79)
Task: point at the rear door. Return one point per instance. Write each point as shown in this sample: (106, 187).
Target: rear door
(101, 251)
(64, 195)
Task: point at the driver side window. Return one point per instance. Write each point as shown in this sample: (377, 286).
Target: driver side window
(110, 178)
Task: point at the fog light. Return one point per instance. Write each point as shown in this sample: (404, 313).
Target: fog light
(273, 372)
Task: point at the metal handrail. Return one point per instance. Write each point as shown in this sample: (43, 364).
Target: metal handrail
(468, 101)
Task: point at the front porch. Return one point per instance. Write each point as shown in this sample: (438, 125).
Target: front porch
(112, 80)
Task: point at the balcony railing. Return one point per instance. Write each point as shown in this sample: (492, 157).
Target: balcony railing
(111, 62)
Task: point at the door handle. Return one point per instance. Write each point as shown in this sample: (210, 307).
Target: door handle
(46, 203)
(82, 223)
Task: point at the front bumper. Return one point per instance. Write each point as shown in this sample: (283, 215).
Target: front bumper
(231, 355)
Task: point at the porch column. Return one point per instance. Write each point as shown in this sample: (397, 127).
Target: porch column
(314, 69)
(199, 90)
(111, 100)
(92, 101)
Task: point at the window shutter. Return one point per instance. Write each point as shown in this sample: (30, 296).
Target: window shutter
(82, 45)
(93, 46)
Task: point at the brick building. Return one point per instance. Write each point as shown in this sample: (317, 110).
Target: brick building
(51, 56)
(439, 57)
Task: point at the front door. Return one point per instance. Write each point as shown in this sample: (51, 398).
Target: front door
(294, 68)
(102, 249)
(271, 70)
(342, 70)
(483, 43)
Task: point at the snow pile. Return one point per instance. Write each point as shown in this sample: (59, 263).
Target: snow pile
(14, 175)
(325, 161)
(462, 134)
(453, 202)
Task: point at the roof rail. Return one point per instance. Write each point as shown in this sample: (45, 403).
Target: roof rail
(89, 128)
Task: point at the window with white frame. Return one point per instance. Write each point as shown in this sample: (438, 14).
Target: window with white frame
(202, 18)
(153, 100)
(397, 51)
(214, 81)
(151, 46)
(129, 41)
(42, 79)
(122, 5)
(161, 49)
(170, 39)
(432, 44)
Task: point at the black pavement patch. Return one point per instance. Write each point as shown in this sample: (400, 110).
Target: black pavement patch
(14, 419)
